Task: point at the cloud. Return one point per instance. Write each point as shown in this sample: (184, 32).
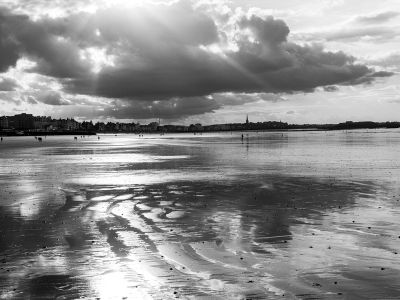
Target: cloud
(267, 30)
(370, 78)
(31, 100)
(168, 109)
(172, 109)
(330, 88)
(382, 74)
(49, 98)
(54, 54)
(127, 109)
(233, 99)
(263, 61)
(351, 33)
(391, 62)
(377, 18)
(8, 97)
(361, 28)
(9, 52)
(8, 84)
(168, 59)
(377, 34)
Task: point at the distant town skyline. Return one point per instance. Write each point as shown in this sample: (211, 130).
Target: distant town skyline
(209, 62)
(28, 124)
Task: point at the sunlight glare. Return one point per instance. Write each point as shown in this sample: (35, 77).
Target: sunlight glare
(98, 58)
(113, 285)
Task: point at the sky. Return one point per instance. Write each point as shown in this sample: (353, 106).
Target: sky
(205, 61)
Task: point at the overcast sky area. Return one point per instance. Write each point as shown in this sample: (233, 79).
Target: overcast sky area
(314, 61)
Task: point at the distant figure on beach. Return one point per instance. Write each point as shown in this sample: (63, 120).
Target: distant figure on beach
(242, 136)
(98, 137)
(40, 139)
(1, 138)
(75, 138)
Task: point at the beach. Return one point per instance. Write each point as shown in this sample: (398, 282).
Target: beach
(275, 215)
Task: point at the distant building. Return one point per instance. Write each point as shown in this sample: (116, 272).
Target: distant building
(218, 127)
(110, 127)
(22, 121)
(100, 126)
(87, 125)
(42, 123)
(72, 124)
(153, 126)
(3, 123)
(247, 119)
(196, 127)
(175, 128)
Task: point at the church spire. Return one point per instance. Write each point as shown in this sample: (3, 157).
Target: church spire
(247, 119)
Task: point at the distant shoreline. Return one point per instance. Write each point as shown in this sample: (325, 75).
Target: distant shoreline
(29, 125)
(45, 133)
(291, 128)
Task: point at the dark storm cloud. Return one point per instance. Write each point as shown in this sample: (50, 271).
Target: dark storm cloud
(382, 74)
(378, 18)
(9, 52)
(54, 54)
(172, 109)
(166, 66)
(163, 60)
(167, 109)
(370, 78)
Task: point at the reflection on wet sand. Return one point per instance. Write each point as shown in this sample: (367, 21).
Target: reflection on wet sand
(239, 234)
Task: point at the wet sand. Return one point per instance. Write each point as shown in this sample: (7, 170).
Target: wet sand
(291, 215)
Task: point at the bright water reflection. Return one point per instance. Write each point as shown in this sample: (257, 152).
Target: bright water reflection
(305, 215)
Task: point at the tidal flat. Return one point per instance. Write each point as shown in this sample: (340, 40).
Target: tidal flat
(275, 215)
